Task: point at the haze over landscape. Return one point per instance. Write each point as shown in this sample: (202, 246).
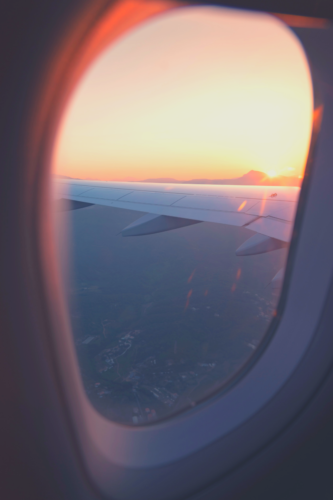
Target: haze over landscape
(162, 321)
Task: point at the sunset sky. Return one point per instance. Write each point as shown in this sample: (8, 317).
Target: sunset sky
(194, 93)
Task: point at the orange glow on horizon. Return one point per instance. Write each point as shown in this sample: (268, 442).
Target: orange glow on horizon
(200, 92)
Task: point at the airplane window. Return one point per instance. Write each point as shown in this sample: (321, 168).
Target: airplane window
(177, 171)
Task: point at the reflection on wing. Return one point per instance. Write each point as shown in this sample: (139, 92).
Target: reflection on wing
(266, 210)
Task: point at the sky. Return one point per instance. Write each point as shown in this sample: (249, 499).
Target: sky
(198, 92)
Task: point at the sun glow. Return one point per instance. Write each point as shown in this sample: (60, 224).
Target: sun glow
(199, 92)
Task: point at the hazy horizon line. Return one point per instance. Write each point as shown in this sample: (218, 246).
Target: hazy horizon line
(172, 179)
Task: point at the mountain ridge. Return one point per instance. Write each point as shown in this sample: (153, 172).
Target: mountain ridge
(251, 178)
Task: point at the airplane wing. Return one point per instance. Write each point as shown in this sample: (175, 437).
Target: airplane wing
(268, 211)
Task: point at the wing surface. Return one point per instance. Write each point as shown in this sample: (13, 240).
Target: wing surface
(264, 209)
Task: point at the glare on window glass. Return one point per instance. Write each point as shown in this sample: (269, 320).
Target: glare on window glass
(178, 165)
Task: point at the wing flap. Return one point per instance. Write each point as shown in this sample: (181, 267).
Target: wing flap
(106, 193)
(217, 203)
(284, 210)
(275, 228)
(152, 198)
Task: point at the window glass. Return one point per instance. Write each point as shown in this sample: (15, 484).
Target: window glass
(195, 128)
